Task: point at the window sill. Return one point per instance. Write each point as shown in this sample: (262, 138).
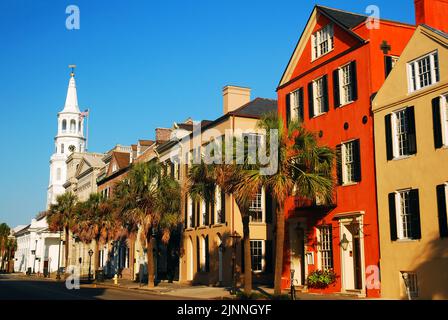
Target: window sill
(403, 157)
(201, 227)
(188, 229)
(349, 184)
(345, 104)
(218, 225)
(406, 240)
(257, 223)
(321, 56)
(319, 115)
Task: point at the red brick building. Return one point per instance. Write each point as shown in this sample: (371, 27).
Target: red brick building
(339, 63)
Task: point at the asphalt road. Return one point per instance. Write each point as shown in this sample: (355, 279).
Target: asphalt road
(20, 288)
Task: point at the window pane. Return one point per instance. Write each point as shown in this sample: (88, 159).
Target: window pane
(401, 132)
(256, 251)
(349, 162)
(405, 217)
(256, 208)
(326, 247)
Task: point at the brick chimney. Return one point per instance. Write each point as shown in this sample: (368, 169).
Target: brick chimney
(433, 13)
(234, 97)
(163, 134)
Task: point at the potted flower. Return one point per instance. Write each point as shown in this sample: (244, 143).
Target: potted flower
(321, 279)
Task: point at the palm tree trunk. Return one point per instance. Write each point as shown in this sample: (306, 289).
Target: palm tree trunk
(150, 255)
(132, 257)
(67, 238)
(97, 259)
(247, 257)
(279, 244)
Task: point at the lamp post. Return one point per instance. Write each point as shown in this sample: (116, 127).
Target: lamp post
(344, 242)
(90, 263)
(235, 236)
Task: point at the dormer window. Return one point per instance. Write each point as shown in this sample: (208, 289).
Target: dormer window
(322, 41)
(423, 72)
(114, 167)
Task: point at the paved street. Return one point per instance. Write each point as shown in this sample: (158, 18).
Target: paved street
(21, 288)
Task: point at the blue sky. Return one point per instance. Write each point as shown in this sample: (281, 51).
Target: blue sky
(141, 65)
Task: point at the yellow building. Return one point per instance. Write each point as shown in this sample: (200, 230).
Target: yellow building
(411, 151)
(207, 245)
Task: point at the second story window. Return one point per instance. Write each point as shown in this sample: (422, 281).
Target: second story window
(404, 215)
(423, 72)
(345, 84)
(294, 109)
(318, 96)
(256, 207)
(322, 41)
(400, 133)
(349, 166)
(440, 121)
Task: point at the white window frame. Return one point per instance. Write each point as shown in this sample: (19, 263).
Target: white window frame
(316, 98)
(345, 178)
(262, 205)
(444, 118)
(395, 140)
(218, 205)
(399, 215)
(413, 67)
(320, 248)
(263, 255)
(342, 84)
(203, 212)
(413, 283)
(294, 104)
(317, 41)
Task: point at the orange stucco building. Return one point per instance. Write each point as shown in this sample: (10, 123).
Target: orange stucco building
(339, 63)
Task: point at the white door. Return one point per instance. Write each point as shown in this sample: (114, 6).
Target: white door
(296, 252)
(351, 257)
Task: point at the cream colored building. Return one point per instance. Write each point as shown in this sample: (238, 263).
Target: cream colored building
(207, 245)
(411, 147)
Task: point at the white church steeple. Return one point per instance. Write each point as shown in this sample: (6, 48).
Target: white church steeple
(69, 139)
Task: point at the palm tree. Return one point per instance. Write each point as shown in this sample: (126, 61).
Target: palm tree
(4, 234)
(60, 217)
(203, 180)
(136, 204)
(304, 170)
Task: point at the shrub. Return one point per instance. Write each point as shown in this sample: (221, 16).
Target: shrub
(319, 279)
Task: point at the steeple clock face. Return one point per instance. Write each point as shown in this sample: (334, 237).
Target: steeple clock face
(72, 148)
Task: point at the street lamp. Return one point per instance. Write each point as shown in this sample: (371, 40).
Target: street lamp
(235, 236)
(405, 276)
(344, 242)
(90, 263)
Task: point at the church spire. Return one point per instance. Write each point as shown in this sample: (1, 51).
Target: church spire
(71, 101)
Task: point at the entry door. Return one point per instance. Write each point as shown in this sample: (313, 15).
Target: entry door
(351, 258)
(296, 238)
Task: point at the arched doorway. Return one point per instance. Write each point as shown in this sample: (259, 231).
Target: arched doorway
(190, 260)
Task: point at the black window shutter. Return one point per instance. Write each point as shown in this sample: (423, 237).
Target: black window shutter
(288, 109)
(388, 64)
(339, 163)
(212, 213)
(437, 123)
(172, 170)
(207, 255)
(310, 100)
(412, 140)
(325, 87)
(186, 211)
(207, 213)
(268, 205)
(301, 104)
(354, 80)
(357, 159)
(193, 213)
(223, 207)
(337, 99)
(198, 255)
(242, 256)
(415, 212)
(268, 256)
(392, 217)
(389, 146)
(441, 205)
